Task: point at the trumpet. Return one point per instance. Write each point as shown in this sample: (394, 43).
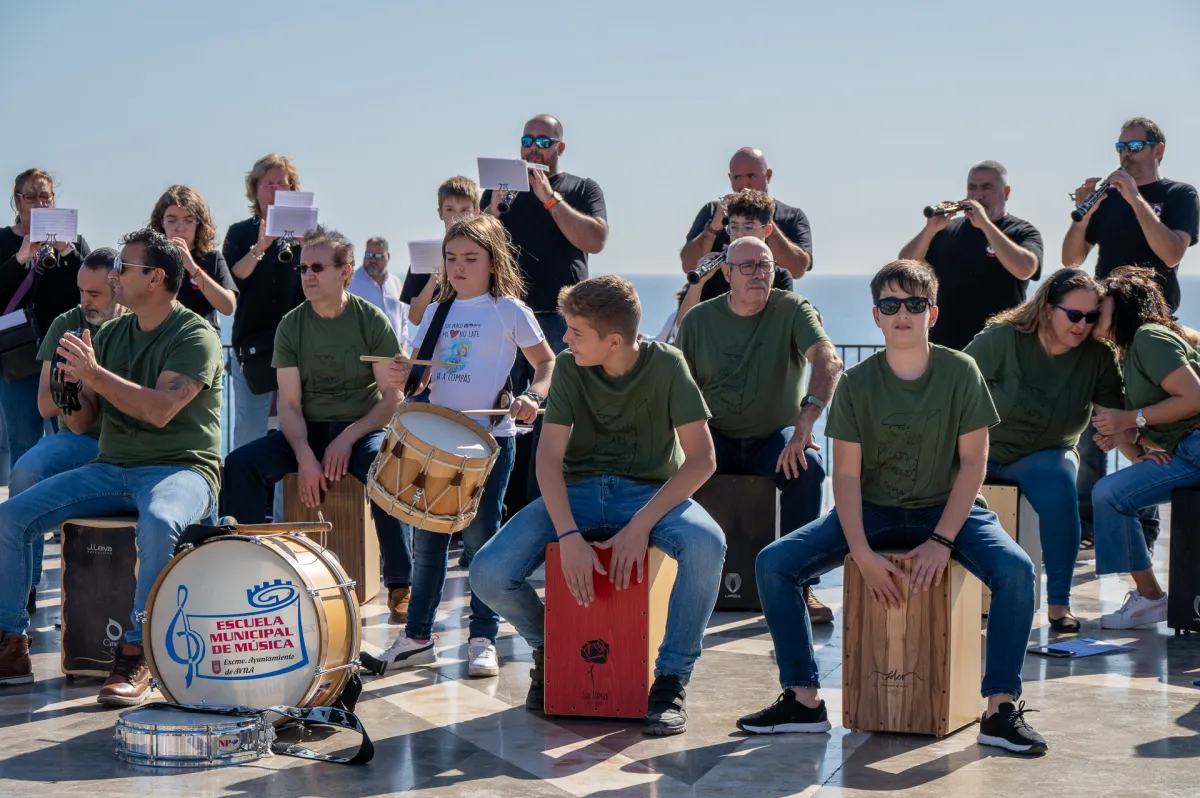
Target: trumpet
(1089, 201)
(286, 242)
(943, 209)
(696, 274)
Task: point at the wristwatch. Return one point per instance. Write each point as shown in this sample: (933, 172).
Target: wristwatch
(809, 399)
(1140, 420)
(554, 198)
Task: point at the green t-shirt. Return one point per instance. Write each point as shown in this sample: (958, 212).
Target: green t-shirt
(71, 321)
(625, 426)
(1155, 353)
(334, 384)
(909, 429)
(186, 344)
(751, 368)
(1044, 402)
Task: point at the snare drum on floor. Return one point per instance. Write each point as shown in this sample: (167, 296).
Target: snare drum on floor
(432, 467)
(173, 738)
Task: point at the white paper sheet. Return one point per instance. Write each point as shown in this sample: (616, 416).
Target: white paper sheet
(14, 319)
(62, 223)
(507, 174)
(294, 199)
(282, 220)
(425, 257)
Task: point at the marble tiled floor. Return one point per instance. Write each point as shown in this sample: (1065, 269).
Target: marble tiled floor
(1123, 724)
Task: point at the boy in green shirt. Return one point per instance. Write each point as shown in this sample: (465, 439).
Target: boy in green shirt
(624, 446)
(910, 434)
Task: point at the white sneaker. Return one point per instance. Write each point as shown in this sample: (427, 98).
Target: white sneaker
(1136, 611)
(404, 653)
(481, 658)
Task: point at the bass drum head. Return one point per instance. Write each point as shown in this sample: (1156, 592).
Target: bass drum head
(231, 623)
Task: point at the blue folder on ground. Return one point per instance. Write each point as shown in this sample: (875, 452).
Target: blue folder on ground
(1079, 647)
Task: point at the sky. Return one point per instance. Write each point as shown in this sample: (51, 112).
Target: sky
(867, 111)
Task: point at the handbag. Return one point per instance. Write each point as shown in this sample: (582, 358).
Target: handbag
(254, 356)
(19, 345)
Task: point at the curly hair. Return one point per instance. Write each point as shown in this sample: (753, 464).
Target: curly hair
(756, 206)
(191, 201)
(486, 231)
(1031, 315)
(1137, 300)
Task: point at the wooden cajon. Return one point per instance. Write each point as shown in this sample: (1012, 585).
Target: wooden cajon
(917, 668)
(1020, 521)
(1183, 600)
(353, 539)
(600, 659)
(746, 507)
(99, 580)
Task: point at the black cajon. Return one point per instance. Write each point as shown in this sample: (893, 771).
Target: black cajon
(99, 576)
(747, 510)
(1183, 595)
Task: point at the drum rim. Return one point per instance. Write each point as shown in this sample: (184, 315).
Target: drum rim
(453, 415)
(231, 723)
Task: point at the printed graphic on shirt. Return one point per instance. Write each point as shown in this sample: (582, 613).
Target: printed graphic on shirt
(729, 395)
(333, 368)
(904, 442)
(458, 338)
(616, 448)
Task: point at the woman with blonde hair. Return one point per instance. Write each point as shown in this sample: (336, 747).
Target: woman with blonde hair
(478, 323)
(183, 217)
(1046, 373)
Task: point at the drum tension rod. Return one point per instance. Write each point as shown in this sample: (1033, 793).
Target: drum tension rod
(313, 591)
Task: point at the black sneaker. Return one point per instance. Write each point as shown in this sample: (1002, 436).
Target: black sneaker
(786, 715)
(1006, 728)
(535, 699)
(666, 710)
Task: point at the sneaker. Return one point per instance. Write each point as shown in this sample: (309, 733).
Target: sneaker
(397, 603)
(406, 652)
(535, 699)
(666, 709)
(786, 715)
(1136, 611)
(481, 658)
(129, 684)
(817, 612)
(15, 665)
(1006, 728)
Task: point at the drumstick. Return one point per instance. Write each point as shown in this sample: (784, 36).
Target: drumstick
(493, 411)
(406, 361)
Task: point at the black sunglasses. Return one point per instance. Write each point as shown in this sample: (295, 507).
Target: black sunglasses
(1076, 316)
(890, 305)
(1135, 145)
(542, 142)
(317, 268)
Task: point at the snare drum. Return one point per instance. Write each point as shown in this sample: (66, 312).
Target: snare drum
(432, 467)
(172, 738)
(253, 620)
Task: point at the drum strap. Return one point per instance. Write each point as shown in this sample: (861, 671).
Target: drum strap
(309, 716)
(427, 344)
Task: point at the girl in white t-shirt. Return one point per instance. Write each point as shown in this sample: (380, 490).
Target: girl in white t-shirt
(486, 325)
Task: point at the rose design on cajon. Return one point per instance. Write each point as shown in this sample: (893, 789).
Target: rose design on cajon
(594, 652)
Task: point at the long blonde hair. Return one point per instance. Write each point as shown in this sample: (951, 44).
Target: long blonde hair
(486, 231)
(1033, 315)
(260, 169)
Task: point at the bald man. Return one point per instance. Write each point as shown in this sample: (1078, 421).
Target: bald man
(790, 241)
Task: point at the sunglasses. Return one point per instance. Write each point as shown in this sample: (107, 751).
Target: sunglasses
(890, 305)
(119, 266)
(1135, 145)
(752, 267)
(316, 268)
(1076, 316)
(373, 256)
(542, 142)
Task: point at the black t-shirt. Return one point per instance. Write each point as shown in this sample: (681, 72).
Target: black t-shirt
(1114, 226)
(213, 264)
(973, 284)
(271, 290)
(548, 261)
(54, 291)
(788, 220)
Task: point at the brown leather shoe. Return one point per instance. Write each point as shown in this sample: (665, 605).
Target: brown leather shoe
(817, 612)
(15, 665)
(129, 684)
(398, 604)
(535, 699)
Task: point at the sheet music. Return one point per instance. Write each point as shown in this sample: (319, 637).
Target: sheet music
(294, 199)
(282, 220)
(62, 223)
(507, 174)
(425, 257)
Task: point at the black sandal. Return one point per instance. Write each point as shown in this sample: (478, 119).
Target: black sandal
(1067, 624)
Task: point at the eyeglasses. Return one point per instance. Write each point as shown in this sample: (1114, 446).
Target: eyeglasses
(752, 267)
(734, 229)
(542, 142)
(1076, 316)
(374, 256)
(316, 268)
(1135, 145)
(119, 266)
(32, 198)
(284, 185)
(890, 305)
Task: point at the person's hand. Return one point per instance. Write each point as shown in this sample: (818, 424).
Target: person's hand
(539, 184)
(264, 240)
(310, 481)
(62, 247)
(189, 264)
(628, 549)
(78, 356)
(578, 560)
(1107, 443)
(523, 409)
(1110, 422)
(1156, 457)
(1123, 182)
(931, 558)
(28, 250)
(398, 372)
(792, 460)
(881, 576)
(493, 205)
(336, 461)
(975, 212)
(717, 223)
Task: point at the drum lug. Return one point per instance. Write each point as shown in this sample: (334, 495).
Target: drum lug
(141, 617)
(352, 665)
(155, 684)
(314, 591)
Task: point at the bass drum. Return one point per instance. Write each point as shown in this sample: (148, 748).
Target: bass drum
(257, 621)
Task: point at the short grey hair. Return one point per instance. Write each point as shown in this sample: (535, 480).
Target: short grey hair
(380, 240)
(995, 166)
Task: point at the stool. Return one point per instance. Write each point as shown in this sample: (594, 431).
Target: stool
(1020, 521)
(99, 578)
(600, 659)
(746, 507)
(1183, 599)
(917, 668)
(353, 539)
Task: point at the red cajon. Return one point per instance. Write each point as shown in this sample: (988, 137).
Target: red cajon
(600, 659)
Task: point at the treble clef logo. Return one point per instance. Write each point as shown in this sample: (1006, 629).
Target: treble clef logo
(193, 642)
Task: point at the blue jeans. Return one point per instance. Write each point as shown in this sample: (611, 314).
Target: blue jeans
(251, 415)
(166, 499)
(982, 546)
(23, 424)
(52, 455)
(252, 472)
(602, 506)
(1093, 464)
(1120, 546)
(1048, 478)
(429, 557)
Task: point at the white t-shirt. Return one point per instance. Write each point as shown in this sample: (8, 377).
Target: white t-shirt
(483, 335)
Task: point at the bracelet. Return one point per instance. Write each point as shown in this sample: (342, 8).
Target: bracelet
(536, 397)
(947, 542)
(568, 534)
(256, 256)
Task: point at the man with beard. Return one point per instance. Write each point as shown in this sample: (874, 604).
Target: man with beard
(983, 259)
(374, 283)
